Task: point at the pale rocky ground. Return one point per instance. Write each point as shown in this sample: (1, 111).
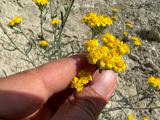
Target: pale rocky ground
(145, 60)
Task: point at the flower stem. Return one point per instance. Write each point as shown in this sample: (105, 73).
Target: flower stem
(62, 27)
(41, 23)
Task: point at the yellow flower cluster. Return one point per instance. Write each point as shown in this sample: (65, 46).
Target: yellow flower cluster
(114, 62)
(97, 22)
(56, 22)
(91, 45)
(129, 25)
(81, 80)
(136, 40)
(41, 2)
(154, 82)
(109, 54)
(115, 10)
(117, 46)
(114, 18)
(130, 116)
(15, 21)
(125, 34)
(43, 43)
(145, 118)
(97, 54)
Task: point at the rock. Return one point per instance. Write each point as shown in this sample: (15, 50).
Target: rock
(151, 35)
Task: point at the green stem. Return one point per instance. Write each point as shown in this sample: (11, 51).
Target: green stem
(50, 6)
(118, 108)
(140, 93)
(15, 46)
(62, 27)
(41, 23)
(29, 40)
(21, 31)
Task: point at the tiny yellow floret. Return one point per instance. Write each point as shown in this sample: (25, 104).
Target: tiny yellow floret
(15, 22)
(56, 22)
(154, 82)
(43, 43)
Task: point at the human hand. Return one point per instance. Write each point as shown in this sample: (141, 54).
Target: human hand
(43, 93)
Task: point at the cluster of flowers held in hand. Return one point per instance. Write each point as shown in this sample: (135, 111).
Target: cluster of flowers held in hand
(107, 53)
(80, 80)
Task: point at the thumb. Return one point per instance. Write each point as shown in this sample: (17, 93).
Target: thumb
(88, 104)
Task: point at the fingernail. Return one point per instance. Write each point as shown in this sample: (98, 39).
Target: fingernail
(104, 83)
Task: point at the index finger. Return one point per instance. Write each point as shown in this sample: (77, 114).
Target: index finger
(47, 79)
(24, 93)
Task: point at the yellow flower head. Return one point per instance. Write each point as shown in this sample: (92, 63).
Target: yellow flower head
(97, 22)
(109, 40)
(114, 44)
(104, 51)
(130, 116)
(129, 25)
(43, 43)
(115, 10)
(94, 56)
(136, 40)
(42, 3)
(145, 118)
(114, 18)
(56, 22)
(15, 22)
(108, 53)
(122, 48)
(91, 45)
(125, 34)
(112, 62)
(154, 82)
(81, 80)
